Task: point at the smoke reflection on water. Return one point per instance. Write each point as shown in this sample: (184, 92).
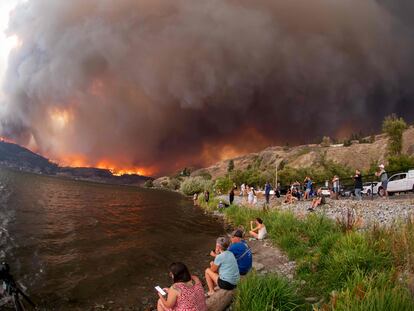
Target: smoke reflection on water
(77, 244)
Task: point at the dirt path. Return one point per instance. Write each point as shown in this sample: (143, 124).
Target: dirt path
(268, 258)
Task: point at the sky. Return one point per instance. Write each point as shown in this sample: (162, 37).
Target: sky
(153, 86)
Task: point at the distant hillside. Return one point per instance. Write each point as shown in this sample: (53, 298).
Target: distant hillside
(357, 155)
(20, 158)
(17, 157)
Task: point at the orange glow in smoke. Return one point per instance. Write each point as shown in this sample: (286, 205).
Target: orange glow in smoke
(60, 117)
(6, 140)
(249, 140)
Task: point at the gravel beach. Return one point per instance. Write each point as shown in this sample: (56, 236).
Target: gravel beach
(382, 212)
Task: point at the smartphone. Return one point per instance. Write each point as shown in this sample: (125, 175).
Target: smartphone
(160, 290)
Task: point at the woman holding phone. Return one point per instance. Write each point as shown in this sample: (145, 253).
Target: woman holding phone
(186, 293)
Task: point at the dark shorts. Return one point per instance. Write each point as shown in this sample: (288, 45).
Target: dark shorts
(384, 184)
(225, 285)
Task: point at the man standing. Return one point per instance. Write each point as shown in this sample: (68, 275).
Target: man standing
(335, 187)
(382, 174)
(231, 195)
(268, 187)
(308, 186)
(241, 251)
(358, 184)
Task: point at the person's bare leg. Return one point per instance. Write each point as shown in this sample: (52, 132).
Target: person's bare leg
(253, 234)
(212, 279)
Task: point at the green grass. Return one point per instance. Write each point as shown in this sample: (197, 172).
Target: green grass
(360, 268)
(270, 292)
(372, 292)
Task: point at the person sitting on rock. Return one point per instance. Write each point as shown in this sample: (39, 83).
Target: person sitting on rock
(186, 293)
(259, 232)
(223, 271)
(319, 200)
(241, 251)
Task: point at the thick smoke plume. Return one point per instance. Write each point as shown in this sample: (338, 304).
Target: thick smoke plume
(161, 84)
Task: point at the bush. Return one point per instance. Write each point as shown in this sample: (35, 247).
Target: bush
(149, 183)
(326, 141)
(400, 163)
(173, 184)
(193, 185)
(223, 184)
(251, 176)
(394, 127)
(268, 292)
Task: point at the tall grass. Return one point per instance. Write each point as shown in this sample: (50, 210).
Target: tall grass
(266, 293)
(372, 292)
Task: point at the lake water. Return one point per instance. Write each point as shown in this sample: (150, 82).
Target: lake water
(79, 245)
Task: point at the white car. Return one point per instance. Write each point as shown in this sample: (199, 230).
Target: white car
(401, 182)
(367, 189)
(325, 191)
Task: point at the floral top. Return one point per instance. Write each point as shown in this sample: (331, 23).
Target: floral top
(190, 298)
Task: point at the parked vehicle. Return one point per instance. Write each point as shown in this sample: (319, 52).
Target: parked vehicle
(369, 187)
(325, 191)
(402, 182)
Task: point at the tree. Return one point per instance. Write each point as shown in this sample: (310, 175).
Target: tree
(394, 128)
(401, 163)
(230, 167)
(223, 184)
(326, 141)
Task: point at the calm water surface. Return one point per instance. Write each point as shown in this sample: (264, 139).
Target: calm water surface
(77, 245)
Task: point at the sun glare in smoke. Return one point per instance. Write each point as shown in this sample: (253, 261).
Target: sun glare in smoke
(13, 42)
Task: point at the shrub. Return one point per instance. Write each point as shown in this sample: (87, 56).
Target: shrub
(173, 184)
(223, 184)
(326, 141)
(400, 162)
(394, 127)
(230, 166)
(193, 185)
(149, 183)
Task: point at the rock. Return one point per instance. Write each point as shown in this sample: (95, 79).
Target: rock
(220, 300)
(257, 266)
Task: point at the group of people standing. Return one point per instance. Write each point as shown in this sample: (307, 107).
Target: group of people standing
(232, 259)
(249, 192)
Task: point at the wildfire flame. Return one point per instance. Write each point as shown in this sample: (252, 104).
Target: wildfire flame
(78, 160)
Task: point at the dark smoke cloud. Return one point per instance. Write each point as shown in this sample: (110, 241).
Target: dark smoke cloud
(159, 82)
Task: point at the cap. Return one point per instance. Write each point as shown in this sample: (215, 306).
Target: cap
(237, 233)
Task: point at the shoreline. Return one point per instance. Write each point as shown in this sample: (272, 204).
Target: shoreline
(324, 249)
